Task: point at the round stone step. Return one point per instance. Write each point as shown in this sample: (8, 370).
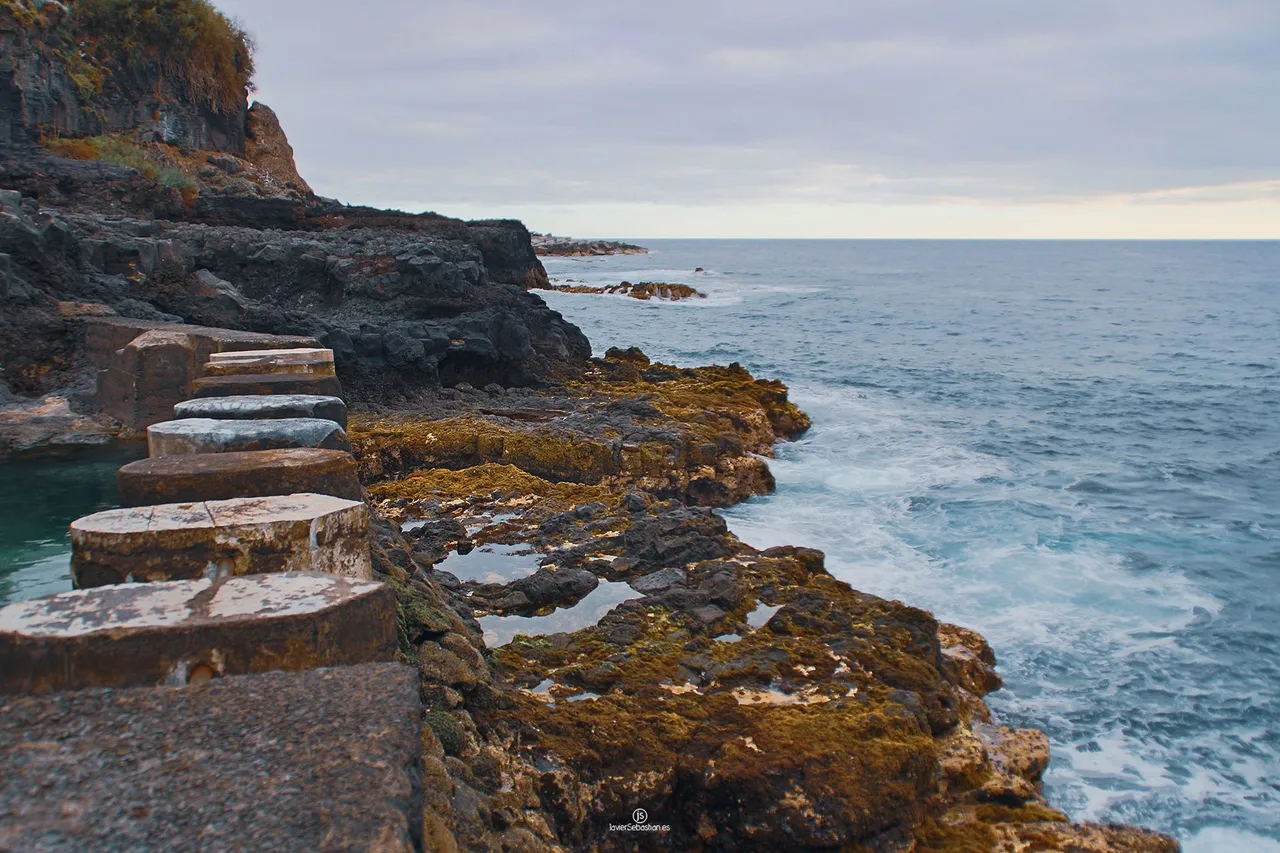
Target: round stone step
(252, 474)
(265, 407)
(243, 536)
(283, 383)
(135, 635)
(313, 362)
(206, 435)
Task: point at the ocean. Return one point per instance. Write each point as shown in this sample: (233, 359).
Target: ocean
(1071, 447)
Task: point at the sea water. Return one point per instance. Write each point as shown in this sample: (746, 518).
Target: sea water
(1071, 447)
(39, 498)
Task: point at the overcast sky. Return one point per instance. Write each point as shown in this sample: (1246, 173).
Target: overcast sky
(833, 118)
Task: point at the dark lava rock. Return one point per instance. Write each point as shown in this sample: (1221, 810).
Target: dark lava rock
(658, 581)
(406, 302)
(544, 589)
(677, 537)
(318, 760)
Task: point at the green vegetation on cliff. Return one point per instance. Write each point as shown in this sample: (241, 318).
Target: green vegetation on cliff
(159, 162)
(189, 41)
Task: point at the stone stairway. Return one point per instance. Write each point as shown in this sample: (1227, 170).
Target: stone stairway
(243, 548)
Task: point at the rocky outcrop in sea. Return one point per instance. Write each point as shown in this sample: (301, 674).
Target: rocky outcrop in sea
(546, 244)
(644, 290)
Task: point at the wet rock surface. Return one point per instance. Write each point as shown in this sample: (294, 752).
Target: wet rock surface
(47, 425)
(643, 291)
(209, 435)
(265, 407)
(320, 760)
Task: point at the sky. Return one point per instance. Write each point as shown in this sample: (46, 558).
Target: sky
(806, 118)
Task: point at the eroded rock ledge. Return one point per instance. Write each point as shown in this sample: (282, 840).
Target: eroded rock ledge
(745, 699)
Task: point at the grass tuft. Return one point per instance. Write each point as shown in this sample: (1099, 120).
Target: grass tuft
(160, 163)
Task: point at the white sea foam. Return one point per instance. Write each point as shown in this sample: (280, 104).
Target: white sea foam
(904, 513)
(1221, 839)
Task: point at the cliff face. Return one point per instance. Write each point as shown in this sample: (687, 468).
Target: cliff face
(42, 94)
(407, 303)
(268, 148)
(155, 193)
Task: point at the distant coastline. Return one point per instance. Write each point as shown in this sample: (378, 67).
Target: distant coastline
(549, 245)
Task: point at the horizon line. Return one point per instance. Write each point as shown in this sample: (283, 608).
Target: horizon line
(617, 239)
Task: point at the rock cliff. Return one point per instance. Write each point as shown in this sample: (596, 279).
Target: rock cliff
(268, 148)
(69, 70)
(151, 197)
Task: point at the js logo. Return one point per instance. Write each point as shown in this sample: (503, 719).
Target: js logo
(640, 816)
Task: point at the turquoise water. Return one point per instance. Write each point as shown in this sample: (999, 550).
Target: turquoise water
(39, 498)
(1073, 448)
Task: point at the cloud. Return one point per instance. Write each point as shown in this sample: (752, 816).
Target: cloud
(913, 102)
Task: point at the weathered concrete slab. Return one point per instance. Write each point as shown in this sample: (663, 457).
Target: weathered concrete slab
(206, 435)
(265, 407)
(142, 380)
(292, 355)
(223, 476)
(244, 536)
(133, 635)
(290, 762)
(283, 383)
(146, 367)
(105, 335)
(312, 362)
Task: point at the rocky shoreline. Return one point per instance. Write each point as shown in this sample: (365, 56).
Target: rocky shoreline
(644, 290)
(743, 698)
(641, 659)
(568, 247)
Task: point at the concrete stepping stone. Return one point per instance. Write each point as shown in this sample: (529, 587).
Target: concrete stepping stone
(134, 635)
(206, 435)
(145, 367)
(252, 474)
(310, 362)
(244, 536)
(265, 407)
(288, 762)
(282, 383)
